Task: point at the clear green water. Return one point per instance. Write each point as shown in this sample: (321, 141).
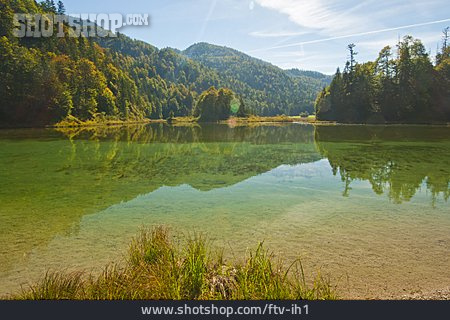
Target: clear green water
(367, 205)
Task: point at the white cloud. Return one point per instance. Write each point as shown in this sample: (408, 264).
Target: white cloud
(277, 34)
(328, 16)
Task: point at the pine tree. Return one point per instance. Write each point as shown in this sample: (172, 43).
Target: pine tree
(49, 6)
(52, 5)
(61, 8)
(353, 53)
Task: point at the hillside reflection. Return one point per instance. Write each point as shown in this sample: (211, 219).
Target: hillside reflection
(55, 177)
(396, 160)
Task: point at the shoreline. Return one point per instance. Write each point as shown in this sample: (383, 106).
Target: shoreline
(433, 294)
(233, 121)
(437, 294)
(440, 293)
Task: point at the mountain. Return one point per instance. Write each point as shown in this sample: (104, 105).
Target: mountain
(296, 73)
(45, 80)
(268, 89)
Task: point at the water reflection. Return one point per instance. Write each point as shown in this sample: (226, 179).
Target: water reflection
(244, 176)
(51, 179)
(397, 161)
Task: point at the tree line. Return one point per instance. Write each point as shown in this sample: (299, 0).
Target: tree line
(45, 80)
(401, 87)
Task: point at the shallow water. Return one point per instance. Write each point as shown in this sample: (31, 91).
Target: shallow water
(366, 205)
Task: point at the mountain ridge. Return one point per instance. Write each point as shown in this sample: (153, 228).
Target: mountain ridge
(278, 89)
(291, 71)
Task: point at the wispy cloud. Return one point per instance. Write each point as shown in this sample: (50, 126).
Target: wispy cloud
(353, 35)
(428, 39)
(207, 19)
(288, 54)
(277, 34)
(329, 16)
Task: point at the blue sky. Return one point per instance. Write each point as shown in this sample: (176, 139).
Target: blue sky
(309, 35)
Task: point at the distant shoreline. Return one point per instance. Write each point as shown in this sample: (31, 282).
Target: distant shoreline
(233, 121)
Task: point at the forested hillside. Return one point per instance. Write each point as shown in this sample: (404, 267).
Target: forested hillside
(401, 87)
(44, 80)
(268, 89)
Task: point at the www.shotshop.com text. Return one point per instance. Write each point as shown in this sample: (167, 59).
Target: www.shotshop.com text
(268, 309)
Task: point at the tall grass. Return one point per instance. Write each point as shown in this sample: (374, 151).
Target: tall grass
(157, 269)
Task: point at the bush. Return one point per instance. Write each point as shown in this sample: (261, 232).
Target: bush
(304, 114)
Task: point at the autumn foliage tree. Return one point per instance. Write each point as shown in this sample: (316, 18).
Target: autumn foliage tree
(214, 105)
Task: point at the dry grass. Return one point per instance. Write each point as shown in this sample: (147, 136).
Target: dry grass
(100, 120)
(157, 269)
(274, 119)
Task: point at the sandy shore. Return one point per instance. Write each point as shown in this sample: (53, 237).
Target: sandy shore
(440, 294)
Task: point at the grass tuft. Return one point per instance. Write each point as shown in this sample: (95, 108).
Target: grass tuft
(157, 269)
(55, 286)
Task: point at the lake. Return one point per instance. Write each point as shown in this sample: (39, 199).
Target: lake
(366, 205)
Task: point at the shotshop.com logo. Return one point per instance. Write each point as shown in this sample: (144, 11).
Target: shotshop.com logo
(75, 25)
